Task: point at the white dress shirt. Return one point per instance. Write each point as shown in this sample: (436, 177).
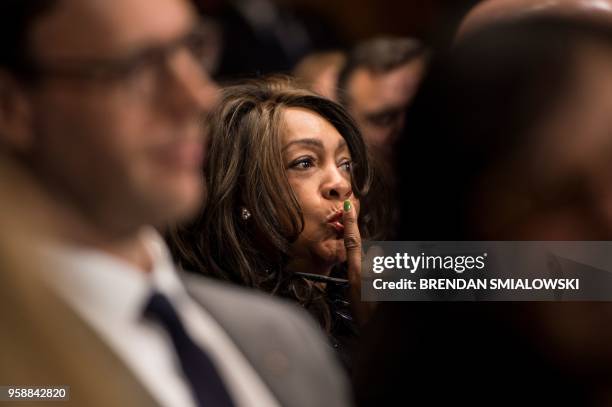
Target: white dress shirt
(110, 295)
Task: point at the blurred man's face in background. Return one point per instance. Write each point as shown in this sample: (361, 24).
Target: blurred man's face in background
(115, 118)
(378, 100)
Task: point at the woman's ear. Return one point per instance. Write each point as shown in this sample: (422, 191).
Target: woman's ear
(15, 115)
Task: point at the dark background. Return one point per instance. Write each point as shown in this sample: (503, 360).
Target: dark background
(358, 19)
(329, 24)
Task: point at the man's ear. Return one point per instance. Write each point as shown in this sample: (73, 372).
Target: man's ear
(15, 115)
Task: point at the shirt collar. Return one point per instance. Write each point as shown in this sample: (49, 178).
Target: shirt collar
(95, 281)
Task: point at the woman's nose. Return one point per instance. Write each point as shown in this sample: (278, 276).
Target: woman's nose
(337, 186)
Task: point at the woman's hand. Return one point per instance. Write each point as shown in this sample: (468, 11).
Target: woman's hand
(352, 243)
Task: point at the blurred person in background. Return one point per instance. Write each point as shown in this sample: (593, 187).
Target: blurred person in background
(288, 178)
(101, 105)
(492, 11)
(211, 48)
(376, 84)
(510, 139)
(319, 71)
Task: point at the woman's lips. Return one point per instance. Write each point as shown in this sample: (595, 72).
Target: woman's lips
(339, 227)
(335, 221)
(336, 216)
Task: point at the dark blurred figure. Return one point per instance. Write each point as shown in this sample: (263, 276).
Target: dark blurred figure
(260, 37)
(319, 71)
(376, 84)
(509, 138)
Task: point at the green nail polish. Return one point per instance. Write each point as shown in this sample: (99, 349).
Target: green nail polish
(347, 205)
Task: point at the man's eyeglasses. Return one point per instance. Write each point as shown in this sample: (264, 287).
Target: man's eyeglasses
(143, 71)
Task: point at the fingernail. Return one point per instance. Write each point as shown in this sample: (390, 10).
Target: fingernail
(347, 205)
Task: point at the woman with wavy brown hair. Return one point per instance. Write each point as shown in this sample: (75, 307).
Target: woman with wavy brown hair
(288, 181)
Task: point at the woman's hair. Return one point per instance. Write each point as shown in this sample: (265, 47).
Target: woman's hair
(245, 169)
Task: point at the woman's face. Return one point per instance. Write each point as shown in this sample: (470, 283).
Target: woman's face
(317, 161)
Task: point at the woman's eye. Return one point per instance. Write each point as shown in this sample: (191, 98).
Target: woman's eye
(303, 164)
(346, 165)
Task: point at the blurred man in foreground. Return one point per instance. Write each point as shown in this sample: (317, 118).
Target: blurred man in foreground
(101, 103)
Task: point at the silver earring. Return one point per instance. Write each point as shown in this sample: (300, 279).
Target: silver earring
(245, 214)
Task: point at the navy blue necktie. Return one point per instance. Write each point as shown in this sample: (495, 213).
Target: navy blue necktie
(206, 384)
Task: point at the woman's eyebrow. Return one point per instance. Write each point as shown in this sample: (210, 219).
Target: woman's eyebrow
(310, 142)
(341, 145)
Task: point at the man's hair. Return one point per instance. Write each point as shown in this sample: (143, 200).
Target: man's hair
(378, 55)
(16, 20)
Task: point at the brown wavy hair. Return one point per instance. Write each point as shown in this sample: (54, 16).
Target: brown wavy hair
(245, 170)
